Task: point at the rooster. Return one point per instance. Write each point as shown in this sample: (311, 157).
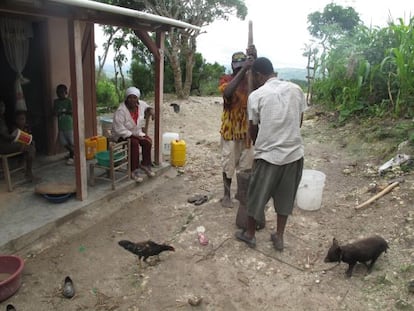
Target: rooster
(145, 249)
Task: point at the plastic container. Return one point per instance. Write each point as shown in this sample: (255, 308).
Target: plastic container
(178, 150)
(106, 126)
(310, 190)
(22, 137)
(103, 157)
(91, 145)
(101, 143)
(57, 198)
(167, 138)
(10, 266)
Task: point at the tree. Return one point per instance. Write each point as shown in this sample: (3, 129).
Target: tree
(205, 75)
(106, 95)
(335, 21)
(180, 44)
(329, 26)
(119, 39)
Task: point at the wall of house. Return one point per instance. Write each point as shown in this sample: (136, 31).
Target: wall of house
(58, 53)
(60, 68)
(49, 64)
(59, 71)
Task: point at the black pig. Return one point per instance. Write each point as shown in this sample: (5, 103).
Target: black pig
(360, 251)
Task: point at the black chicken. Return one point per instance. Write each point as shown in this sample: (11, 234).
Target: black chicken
(145, 249)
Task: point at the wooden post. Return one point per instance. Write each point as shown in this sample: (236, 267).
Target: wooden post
(250, 43)
(249, 80)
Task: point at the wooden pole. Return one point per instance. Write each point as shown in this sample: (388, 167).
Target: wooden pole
(249, 79)
(250, 43)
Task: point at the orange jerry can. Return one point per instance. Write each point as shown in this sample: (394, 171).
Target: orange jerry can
(178, 150)
(91, 145)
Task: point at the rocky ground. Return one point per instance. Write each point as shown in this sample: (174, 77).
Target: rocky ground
(225, 274)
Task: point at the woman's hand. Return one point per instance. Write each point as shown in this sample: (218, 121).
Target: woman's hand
(149, 112)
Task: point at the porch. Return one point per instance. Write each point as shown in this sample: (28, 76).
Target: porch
(26, 216)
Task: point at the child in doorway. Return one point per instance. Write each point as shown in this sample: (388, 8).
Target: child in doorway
(20, 121)
(63, 111)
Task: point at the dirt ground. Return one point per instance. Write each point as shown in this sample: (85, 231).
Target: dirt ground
(226, 274)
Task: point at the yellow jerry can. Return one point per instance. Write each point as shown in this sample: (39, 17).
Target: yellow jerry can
(178, 150)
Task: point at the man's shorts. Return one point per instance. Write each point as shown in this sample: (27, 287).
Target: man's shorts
(279, 182)
(235, 156)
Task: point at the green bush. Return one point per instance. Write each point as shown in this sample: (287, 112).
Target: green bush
(106, 96)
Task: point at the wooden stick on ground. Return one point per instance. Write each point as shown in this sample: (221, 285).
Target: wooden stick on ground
(378, 195)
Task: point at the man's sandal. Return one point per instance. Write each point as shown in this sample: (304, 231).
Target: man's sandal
(277, 242)
(240, 235)
(194, 198)
(201, 200)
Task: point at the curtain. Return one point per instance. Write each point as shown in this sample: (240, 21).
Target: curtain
(16, 35)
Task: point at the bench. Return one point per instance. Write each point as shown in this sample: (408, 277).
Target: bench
(7, 172)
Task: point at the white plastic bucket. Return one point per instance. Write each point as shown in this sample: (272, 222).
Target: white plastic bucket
(106, 125)
(167, 138)
(310, 190)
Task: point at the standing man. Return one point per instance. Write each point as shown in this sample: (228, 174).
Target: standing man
(237, 152)
(275, 116)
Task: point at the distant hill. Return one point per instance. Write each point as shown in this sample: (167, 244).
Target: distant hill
(291, 73)
(283, 73)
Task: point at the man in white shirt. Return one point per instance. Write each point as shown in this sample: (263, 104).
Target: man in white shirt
(275, 111)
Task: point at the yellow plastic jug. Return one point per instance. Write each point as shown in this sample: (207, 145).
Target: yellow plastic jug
(91, 145)
(178, 150)
(101, 143)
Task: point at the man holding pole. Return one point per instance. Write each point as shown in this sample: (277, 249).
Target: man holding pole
(275, 113)
(237, 151)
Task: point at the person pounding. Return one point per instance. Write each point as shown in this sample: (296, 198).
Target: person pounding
(236, 150)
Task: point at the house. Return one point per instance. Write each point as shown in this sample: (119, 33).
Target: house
(47, 42)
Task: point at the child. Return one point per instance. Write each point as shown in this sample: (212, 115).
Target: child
(20, 122)
(63, 111)
(8, 145)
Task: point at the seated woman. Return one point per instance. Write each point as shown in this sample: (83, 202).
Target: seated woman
(128, 123)
(8, 145)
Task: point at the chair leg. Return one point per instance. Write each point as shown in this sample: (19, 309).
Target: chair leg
(6, 172)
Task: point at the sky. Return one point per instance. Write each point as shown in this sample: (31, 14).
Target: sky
(280, 28)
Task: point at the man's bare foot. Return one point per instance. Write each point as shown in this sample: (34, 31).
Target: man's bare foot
(226, 202)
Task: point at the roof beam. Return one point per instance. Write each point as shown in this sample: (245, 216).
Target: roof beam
(103, 7)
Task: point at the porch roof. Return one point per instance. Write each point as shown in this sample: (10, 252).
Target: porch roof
(95, 12)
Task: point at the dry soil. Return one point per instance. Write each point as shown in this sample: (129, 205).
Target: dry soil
(226, 274)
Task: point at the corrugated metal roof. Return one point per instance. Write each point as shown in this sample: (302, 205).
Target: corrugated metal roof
(96, 12)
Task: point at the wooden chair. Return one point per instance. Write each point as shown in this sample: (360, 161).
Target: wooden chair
(119, 166)
(7, 172)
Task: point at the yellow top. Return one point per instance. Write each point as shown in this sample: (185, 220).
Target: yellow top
(234, 120)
